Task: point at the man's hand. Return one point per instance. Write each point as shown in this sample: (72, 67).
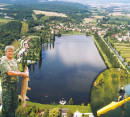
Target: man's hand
(24, 75)
(12, 73)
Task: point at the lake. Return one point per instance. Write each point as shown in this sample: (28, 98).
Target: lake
(67, 69)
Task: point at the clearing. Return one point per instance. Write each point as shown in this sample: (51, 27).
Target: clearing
(50, 13)
(24, 28)
(88, 20)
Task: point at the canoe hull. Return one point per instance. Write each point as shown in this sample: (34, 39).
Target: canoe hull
(111, 106)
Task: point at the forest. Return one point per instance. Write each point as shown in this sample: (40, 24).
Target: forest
(74, 10)
(9, 32)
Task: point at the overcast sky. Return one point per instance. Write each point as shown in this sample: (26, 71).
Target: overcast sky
(78, 1)
(96, 1)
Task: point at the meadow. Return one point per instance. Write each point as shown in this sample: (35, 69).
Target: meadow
(24, 28)
(90, 20)
(119, 18)
(124, 50)
(4, 21)
(50, 13)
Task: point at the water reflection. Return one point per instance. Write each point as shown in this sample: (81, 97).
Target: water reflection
(107, 91)
(67, 69)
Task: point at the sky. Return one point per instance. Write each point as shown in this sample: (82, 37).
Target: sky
(77, 1)
(94, 1)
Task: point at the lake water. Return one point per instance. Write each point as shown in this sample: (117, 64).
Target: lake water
(66, 70)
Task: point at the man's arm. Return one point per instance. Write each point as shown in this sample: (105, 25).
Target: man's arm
(6, 69)
(13, 73)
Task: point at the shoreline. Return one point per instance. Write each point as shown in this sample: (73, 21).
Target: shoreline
(74, 34)
(105, 59)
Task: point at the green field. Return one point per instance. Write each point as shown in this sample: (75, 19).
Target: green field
(124, 49)
(34, 17)
(120, 19)
(4, 21)
(24, 28)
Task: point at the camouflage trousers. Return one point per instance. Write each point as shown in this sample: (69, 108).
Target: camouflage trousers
(9, 99)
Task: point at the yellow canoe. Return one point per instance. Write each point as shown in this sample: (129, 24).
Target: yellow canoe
(111, 106)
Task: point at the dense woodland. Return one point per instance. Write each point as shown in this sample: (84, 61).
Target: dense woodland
(18, 14)
(9, 32)
(74, 10)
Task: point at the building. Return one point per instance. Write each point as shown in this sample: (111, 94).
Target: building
(78, 114)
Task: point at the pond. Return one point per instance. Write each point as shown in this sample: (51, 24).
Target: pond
(66, 70)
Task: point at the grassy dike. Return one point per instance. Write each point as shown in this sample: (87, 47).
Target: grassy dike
(103, 55)
(72, 108)
(32, 109)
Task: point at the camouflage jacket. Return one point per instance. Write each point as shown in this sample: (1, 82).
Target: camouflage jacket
(8, 65)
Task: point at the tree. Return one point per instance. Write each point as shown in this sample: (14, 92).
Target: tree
(46, 113)
(71, 101)
(54, 103)
(82, 104)
(55, 112)
(69, 113)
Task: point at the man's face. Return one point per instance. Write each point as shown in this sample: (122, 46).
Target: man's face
(122, 88)
(10, 53)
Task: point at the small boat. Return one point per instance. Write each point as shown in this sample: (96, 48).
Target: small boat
(111, 106)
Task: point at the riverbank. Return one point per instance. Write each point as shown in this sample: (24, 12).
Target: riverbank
(103, 55)
(36, 108)
(74, 34)
(105, 58)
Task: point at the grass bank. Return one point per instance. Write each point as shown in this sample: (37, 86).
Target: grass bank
(74, 33)
(109, 65)
(73, 108)
(32, 109)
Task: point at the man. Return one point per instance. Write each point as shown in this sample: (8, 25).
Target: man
(121, 94)
(10, 73)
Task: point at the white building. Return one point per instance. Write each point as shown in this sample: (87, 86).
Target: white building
(78, 114)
